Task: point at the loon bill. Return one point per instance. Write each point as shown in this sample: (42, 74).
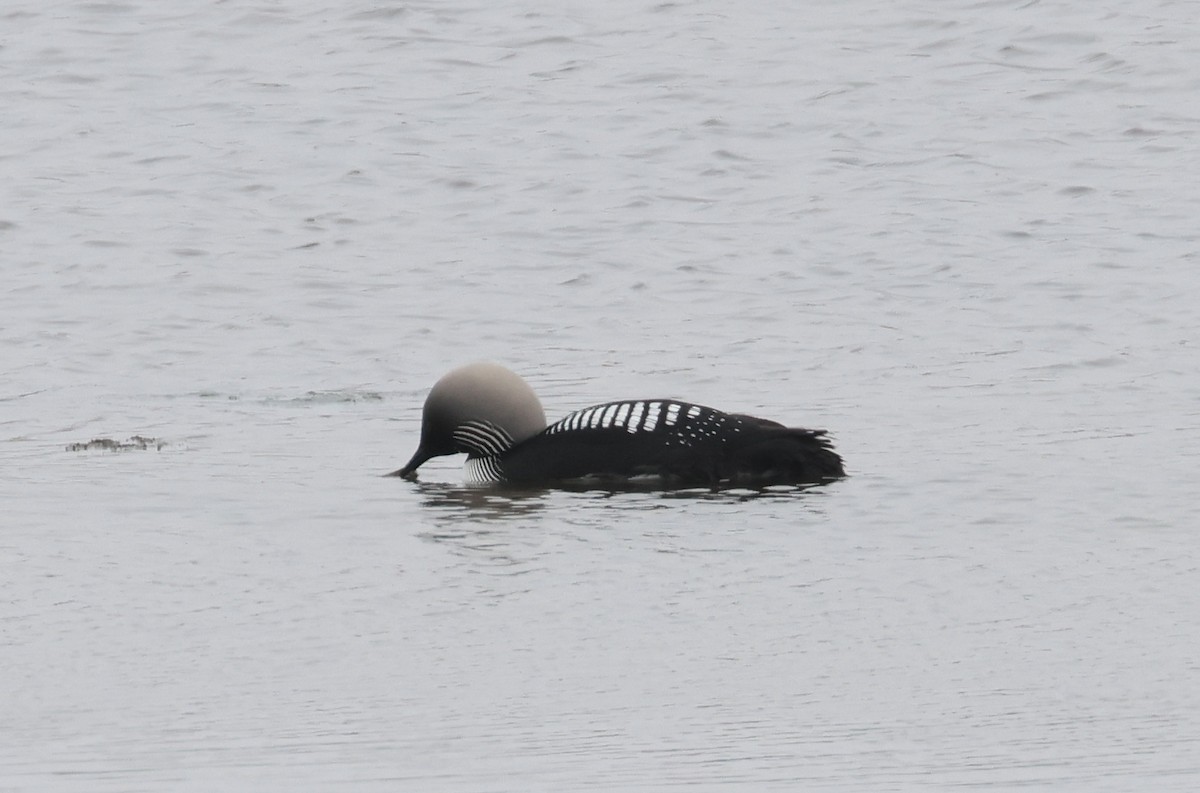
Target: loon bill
(493, 416)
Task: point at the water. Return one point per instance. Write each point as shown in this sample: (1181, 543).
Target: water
(962, 238)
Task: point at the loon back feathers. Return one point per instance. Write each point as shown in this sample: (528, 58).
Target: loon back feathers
(677, 443)
(493, 416)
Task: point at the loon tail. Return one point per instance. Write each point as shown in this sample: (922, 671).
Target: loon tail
(769, 452)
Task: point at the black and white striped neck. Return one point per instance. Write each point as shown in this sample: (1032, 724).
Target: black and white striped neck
(483, 442)
(483, 471)
(482, 439)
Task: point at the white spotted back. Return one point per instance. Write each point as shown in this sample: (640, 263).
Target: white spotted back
(677, 423)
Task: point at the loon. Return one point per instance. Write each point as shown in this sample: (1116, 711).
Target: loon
(493, 416)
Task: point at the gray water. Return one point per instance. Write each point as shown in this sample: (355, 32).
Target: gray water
(962, 237)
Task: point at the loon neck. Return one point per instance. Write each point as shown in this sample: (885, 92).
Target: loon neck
(482, 439)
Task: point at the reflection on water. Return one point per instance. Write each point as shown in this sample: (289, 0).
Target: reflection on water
(503, 503)
(515, 530)
(455, 502)
(483, 525)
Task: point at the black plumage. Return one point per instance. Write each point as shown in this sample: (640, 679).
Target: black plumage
(701, 447)
(494, 417)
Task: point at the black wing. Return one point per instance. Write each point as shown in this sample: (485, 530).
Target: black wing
(680, 443)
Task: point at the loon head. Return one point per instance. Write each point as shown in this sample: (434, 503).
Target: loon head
(479, 409)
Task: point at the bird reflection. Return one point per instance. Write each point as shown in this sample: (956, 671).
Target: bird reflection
(481, 503)
(500, 504)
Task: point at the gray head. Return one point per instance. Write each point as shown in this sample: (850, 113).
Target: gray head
(465, 402)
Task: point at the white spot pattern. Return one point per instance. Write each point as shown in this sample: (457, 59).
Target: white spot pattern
(651, 416)
(678, 423)
(622, 417)
(635, 417)
(674, 424)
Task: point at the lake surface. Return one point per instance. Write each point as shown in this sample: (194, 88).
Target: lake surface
(961, 237)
